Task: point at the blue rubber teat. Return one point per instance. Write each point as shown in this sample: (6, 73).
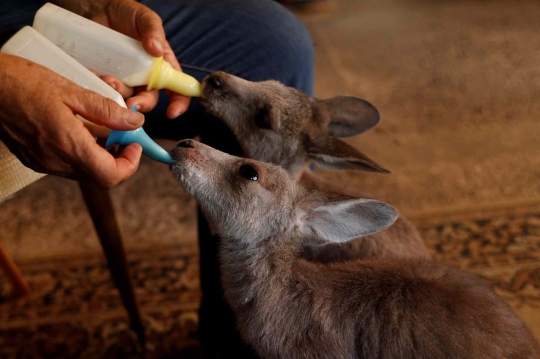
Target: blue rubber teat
(150, 148)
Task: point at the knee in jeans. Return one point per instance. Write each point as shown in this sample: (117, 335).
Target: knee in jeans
(288, 50)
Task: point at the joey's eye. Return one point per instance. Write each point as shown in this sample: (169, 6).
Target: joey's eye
(262, 118)
(248, 172)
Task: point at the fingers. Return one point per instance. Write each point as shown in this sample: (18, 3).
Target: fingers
(89, 160)
(150, 27)
(116, 84)
(140, 22)
(144, 100)
(154, 42)
(178, 104)
(170, 57)
(101, 167)
(38, 118)
(127, 162)
(105, 112)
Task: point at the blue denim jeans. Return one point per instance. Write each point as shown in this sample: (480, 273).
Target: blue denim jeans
(253, 39)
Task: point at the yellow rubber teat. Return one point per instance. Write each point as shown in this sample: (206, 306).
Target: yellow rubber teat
(163, 76)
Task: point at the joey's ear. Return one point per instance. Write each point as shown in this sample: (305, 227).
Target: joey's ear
(336, 154)
(350, 116)
(344, 220)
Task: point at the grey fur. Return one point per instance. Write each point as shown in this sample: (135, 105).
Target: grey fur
(287, 307)
(301, 129)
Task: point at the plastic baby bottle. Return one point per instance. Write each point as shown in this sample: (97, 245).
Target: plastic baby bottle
(109, 52)
(31, 45)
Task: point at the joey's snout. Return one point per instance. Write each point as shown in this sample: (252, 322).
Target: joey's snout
(214, 84)
(221, 86)
(180, 153)
(196, 164)
(185, 154)
(214, 81)
(185, 144)
(190, 165)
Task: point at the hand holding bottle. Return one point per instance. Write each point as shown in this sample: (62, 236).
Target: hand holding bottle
(38, 124)
(140, 23)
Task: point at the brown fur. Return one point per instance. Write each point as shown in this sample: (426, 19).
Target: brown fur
(297, 129)
(288, 307)
(400, 240)
(281, 125)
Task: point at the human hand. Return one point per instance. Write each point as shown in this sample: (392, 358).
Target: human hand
(38, 125)
(141, 23)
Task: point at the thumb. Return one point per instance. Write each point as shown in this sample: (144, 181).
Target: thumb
(150, 27)
(105, 112)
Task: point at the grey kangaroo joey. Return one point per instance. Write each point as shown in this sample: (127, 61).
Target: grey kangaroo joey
(291, 308)
(281, 125)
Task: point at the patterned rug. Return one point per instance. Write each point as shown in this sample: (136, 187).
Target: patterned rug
(76, 312)
(500, 244)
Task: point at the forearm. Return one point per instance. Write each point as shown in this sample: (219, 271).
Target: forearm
(86, 8)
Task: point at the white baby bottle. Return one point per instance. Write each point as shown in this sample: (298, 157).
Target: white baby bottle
(109, 52)
(31, 45)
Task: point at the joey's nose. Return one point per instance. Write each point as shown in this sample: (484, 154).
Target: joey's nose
(186, 144)
(215, 81)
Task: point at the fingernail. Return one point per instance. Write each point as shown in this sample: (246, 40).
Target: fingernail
(179, 113)
(133, 117)
(113, 85)
(157, 45)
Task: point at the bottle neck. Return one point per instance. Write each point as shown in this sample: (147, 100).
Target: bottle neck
(164, 76)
